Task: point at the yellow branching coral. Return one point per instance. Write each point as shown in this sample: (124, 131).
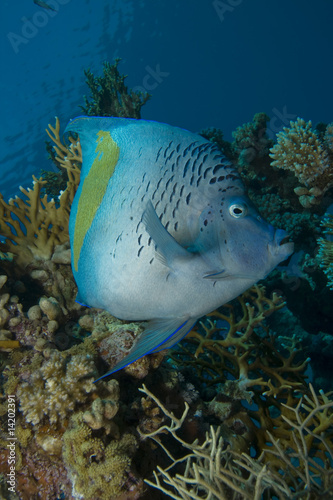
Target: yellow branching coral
(325, 254)
(307, 442)
(35, 225)
(299, 466)
(300, 150)
(250, 360)
(68, 157)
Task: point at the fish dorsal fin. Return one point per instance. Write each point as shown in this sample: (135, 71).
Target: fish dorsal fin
(168, 249)
(159, 334)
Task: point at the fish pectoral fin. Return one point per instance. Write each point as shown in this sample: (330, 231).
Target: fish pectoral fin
(159, 334)
(216, 275)
(167, 247)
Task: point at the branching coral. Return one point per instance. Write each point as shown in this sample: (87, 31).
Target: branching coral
(240, 356)
(68, 157)
(325, 254)
(33, 227)
(304, 456)
(56, 388)
(110, 96)
(300, 151)
(212, 471)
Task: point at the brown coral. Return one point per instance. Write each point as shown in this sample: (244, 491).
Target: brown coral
(56, 388)
(300, 151)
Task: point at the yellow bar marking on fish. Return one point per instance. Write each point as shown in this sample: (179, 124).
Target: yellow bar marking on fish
(94, 188)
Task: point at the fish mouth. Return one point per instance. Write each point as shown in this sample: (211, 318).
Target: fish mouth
(281, 244)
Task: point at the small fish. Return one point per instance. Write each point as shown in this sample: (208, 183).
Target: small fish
(44, 5)
(161, 229)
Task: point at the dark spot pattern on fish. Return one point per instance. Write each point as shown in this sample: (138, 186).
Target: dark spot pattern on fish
(188, 148)
(187, 164)
(218, 167)
(158, 154)
(170, 156)
(166, 149)
(188, 197)
(176, 208)
(206, 172)
(169, 181)
(140, 250)
(173, 192)
(232, 176)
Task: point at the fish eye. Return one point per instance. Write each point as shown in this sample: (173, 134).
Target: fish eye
(238, 210)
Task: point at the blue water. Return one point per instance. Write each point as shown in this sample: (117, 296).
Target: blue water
(206, 64)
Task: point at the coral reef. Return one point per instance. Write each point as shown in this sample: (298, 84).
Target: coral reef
(98, 470)
(251, 141)
(212, 470)
(236, 358)
(251, 426)
(35, 226)
(56, 388)
(110, 96)
(325, 253)
(300, 151)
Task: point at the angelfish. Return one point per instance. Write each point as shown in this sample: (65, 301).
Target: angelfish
(161, 229)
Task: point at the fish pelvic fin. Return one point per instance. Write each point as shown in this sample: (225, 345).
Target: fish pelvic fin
(159, 334)
(168, 249)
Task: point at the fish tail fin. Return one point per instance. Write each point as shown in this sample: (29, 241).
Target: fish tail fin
(158, 335)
